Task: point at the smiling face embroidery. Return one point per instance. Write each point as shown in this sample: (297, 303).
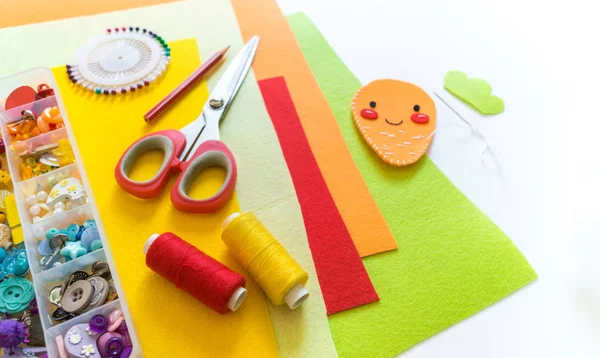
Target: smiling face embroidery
(397, 119)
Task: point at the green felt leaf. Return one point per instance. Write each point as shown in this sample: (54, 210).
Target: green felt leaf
(452, 260)
(474, 91)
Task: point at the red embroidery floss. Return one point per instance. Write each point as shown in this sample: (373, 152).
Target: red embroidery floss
(198, 274)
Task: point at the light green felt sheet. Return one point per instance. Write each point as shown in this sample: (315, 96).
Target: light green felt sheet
(452, 260)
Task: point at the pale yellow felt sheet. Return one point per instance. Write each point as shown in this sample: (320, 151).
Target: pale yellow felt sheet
(264, 184)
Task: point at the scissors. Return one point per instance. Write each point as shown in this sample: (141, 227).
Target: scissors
(193, 148)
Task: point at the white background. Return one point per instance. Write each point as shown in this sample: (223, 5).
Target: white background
(542, 58)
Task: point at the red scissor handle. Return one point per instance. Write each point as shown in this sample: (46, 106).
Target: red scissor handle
(212, 153)
(170, 142)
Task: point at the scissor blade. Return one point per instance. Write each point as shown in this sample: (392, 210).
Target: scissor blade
(207, 125)
(232, 79)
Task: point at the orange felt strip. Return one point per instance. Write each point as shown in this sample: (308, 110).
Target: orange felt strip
(280, 55)
(19, 12)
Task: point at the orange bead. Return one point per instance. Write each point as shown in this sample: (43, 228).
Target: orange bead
(43, 125)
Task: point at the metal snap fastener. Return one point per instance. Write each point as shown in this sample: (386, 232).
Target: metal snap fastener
(98, 265)
(51, 260)
(58, 240)
(54, 295)
(77, 296)
(60, 314)
(216, 102)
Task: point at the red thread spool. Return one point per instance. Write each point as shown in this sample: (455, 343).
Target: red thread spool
(198, 274)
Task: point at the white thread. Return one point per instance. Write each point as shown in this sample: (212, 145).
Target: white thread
(477, 133)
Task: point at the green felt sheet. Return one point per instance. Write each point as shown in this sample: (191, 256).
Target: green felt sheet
(452, 260)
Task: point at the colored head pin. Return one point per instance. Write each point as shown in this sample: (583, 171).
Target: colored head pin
(397, 119)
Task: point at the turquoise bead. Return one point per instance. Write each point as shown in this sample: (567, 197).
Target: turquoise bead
(51, 233)
(98, 90)
(21, 265)
(96, 245)
(89, 224)
(71, 231)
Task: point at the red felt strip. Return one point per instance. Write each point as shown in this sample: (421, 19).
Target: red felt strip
(344, 281)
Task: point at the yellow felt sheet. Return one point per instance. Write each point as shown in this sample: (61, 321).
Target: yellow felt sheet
(155, 304)
(264, 184)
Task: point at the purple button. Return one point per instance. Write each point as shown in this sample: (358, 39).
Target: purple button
(98, 323)
(110, 344)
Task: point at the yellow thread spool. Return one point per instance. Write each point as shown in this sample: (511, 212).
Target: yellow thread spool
(275, 271)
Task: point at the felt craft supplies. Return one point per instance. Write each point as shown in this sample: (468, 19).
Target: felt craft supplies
(453, 261)
(397, 120)
(280, 55)
(275, 271)
(474, 91)
(342, 275)
(143, 290)
(265, 176)
(198, 274)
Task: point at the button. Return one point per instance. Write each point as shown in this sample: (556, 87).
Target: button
(74, 277)
(101, 289)
(54, 295)
(77, 296)
(15, 295)
(60, 314)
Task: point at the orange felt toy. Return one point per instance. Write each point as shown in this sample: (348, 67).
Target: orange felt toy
(397, 119)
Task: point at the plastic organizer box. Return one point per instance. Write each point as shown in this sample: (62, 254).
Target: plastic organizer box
(44, 280)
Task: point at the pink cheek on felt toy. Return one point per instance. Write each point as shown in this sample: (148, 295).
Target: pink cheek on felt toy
(369, 113)
(419, 118)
